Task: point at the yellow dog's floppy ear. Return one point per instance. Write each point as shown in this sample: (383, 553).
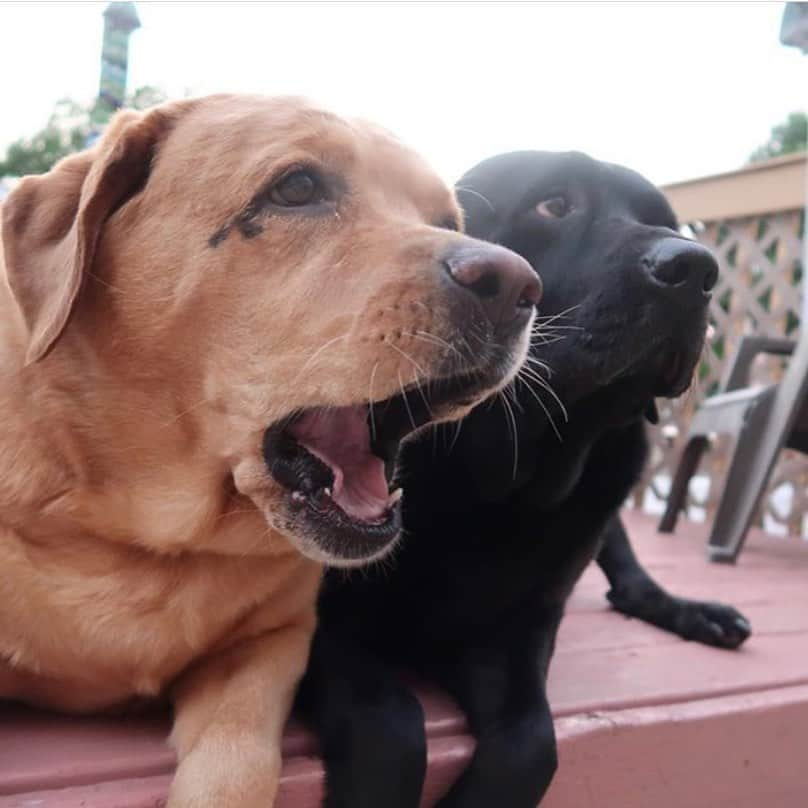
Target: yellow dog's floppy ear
(51, 223)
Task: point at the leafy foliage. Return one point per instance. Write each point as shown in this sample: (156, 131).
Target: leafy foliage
(67, 131)
(789, 136)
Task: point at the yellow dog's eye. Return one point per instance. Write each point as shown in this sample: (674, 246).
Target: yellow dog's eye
(296, 189)
(557, 207)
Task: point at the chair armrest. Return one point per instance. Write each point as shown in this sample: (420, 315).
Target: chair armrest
(738, 374)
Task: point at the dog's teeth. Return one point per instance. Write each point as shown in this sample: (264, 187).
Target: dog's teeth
(394, 497)
(321, 497)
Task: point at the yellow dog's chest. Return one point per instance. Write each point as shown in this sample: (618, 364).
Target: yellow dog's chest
(85, 631)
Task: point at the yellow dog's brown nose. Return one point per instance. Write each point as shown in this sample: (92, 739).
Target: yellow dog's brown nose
(506, 286)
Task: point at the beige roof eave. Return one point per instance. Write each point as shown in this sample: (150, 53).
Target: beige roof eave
(769, 186)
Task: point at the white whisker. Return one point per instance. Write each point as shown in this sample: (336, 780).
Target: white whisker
(510, 419)
(510, 391)
(370, 400)
(465, 190)
(426, 336)
(544, 408)
(549, 318)
(540, 339)
(532, 360)
(317, 353)
(406, 402)
(408, 358)
(458, 427)
(545, 385)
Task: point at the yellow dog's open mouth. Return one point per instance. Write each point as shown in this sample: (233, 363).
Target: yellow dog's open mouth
(337, 463)
(324, 456)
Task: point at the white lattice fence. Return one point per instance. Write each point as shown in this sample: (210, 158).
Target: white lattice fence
(759, 292)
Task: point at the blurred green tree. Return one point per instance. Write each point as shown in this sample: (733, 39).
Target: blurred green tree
(789, 136)
(67, 130)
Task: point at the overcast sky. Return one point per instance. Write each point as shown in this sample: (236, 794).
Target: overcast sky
(674, 90)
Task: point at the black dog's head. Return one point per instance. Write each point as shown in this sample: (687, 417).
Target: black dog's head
(631, 293)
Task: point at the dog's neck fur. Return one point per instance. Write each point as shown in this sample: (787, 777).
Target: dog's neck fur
(62, 447)
(74, 528)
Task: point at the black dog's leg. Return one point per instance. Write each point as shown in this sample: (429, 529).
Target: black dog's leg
(371, 727)
(634, 593)
(503, 695)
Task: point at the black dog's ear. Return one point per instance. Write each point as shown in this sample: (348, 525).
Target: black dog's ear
(651, 412)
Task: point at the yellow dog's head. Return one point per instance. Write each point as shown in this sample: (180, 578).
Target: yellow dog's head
(297, 283)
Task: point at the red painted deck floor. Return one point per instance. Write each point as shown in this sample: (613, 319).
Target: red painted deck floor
(644, 720)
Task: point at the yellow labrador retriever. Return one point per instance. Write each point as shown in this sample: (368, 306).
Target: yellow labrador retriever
(215, 326)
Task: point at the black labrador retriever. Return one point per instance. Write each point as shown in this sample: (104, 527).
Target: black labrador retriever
(502, 516)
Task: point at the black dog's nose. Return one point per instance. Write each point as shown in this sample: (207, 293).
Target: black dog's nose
(684, 268)
(503, 282)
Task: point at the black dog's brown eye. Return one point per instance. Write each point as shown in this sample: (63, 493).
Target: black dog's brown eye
(296, 189)
(557, 207)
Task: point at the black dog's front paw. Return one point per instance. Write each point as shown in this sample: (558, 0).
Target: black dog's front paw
(713, 624)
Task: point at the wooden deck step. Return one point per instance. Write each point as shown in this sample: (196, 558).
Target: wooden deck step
(644, 720)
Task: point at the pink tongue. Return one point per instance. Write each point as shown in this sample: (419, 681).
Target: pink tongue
(340, 438)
